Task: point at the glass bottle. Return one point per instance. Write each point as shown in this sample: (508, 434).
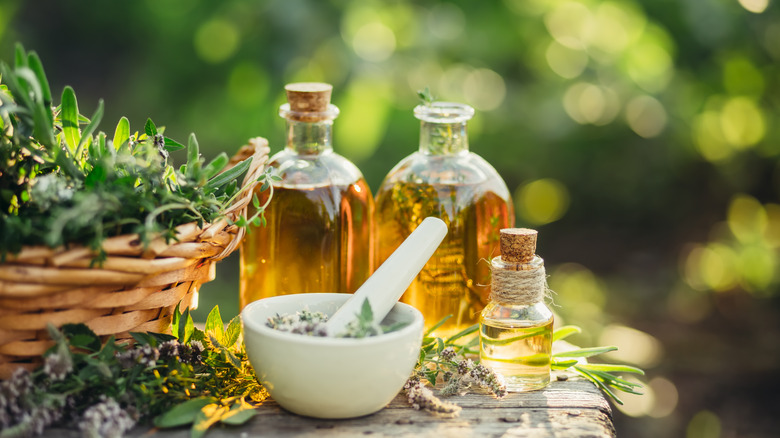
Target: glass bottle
(445, 180)
(515, 328)
(320, 218)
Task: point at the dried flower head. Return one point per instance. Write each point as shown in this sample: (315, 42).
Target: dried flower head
(422, 398)
(105, 420)
(57, 366)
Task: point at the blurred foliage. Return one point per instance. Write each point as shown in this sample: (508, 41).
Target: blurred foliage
(639, 136)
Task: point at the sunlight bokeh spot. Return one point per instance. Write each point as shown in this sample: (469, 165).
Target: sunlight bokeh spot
(741, 77)
(718, 267)
(542, 201)
(704, 424)
(484, 89)
(564, 61)
(615, 26)
(757, 265)
(569, 23)
(365, 110)
(646, 116)
(666, 397)
(634, 346)
(708, 137)
(754, 6)
(648, 63)
(374, 42)
(637, 405)
(691, 267)
(742, 122)
(587, 103)
(747, 218)
(216, 40)
(248, 84)
(577, 287)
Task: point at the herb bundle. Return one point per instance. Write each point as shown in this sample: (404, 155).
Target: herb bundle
(63, 183)
(191, 377)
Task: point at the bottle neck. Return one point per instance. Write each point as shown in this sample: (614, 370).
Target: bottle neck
(438, 138)
(309, 137)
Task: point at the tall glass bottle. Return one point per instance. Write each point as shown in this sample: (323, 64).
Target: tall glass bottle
(445, 180)
(320, 218)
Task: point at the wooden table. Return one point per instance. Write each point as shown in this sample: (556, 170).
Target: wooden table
(572, 408)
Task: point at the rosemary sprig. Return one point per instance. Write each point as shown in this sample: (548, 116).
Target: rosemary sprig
(600, 374)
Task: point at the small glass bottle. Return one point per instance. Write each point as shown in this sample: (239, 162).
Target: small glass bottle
(320, 218)
(445, 180)
(515, 328)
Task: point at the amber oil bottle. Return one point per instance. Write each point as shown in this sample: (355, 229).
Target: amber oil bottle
(445, 180)
(319, 220)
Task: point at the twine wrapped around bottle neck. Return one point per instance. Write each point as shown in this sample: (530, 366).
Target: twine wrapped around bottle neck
(520, 282)
(519, 287)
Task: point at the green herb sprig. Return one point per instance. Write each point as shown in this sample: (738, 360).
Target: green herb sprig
(450, 361)
(63, 183)
(197, 377)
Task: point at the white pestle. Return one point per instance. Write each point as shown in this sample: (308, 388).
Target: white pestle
(385, 286)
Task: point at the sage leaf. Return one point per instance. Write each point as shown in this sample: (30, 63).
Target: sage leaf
(70, 119)
(229, 175)
(239, 414)
(183, 413)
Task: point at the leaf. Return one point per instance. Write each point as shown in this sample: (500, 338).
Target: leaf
(149, 128)
(585, 352)
(183, 413)
(230, 174)
(610, 368)
(121, 133)
(70, 117)
(465, 332)
(172, 145)
(215, 326)
(238, 415)
(207, 417)
(437, 325)
(144, 338)
(85, 337)
(565, 332)
(193, 158)
(161, 337)
(97, 175)
(35, 64)
(366, 314)
(233, 332)
(216, 165)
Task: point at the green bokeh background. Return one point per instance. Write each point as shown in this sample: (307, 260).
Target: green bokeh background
(640, 137)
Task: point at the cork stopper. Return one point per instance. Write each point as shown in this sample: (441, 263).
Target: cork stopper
(308, 97)
(518, 245)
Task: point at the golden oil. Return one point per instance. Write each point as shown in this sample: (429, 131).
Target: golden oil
(519, 353)
(317, 239)
(454, 281)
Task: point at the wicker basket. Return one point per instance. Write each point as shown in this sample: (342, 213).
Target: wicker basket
(135, 290)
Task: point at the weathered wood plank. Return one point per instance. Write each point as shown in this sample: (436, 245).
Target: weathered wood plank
(568, 409)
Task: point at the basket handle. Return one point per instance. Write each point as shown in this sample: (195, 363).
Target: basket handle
(258, 149)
